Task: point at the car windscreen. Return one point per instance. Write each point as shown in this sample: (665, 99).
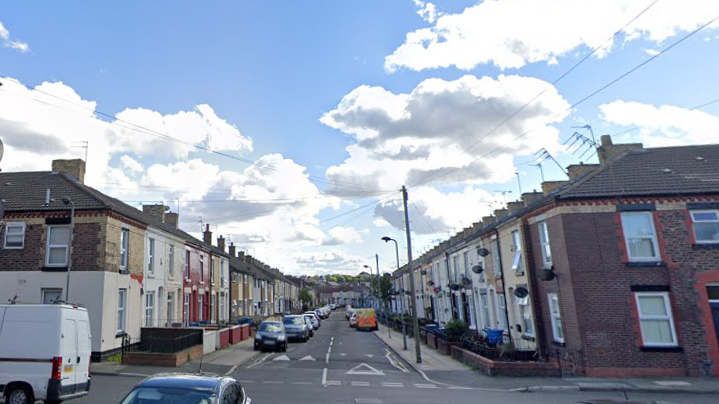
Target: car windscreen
(293, 320)
(162, 395)
(271, 327)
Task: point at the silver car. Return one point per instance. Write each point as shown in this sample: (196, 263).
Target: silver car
(313, 319)
(295, 328)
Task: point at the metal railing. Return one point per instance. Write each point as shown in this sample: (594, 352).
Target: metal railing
(161, 345)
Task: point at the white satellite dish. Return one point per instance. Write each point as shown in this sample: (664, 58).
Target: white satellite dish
(2, 149)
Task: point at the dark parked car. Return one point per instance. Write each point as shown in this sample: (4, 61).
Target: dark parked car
(271, 335)
(181, 388)
(295, 328)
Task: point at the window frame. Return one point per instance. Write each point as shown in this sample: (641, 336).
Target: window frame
(525, 316)
(171, 261)
(121, 311)
(694, 221)
(45, 291)
(150, 256)
(49, 246)
(149, 308)
(186, 306)
(496, 261)
(200, 307)
(23, 227)
(545, 244)
(202, 268)
(124, 247)
(654, 238)
(188, 256)
(556, 318)
(213, 301)
(669, 317)
(212, 271)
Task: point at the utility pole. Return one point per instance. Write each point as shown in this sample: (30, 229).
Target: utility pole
(415, 322)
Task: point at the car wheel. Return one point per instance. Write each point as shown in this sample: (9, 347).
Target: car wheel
(20, 395)
(284, 347)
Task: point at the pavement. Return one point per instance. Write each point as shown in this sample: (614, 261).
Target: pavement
(442, 369)
(223, 362)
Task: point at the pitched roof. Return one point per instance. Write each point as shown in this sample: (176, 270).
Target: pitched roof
(680, 170)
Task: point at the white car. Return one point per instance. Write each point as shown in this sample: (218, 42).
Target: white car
(315, 320)
(353, 320)
(47, 351)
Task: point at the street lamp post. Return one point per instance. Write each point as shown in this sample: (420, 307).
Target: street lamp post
(67, 201)
(371, 283)
(404, 325)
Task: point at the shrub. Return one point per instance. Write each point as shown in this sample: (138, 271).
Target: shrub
(455, 329)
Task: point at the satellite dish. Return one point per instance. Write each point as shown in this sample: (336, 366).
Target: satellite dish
(477, 269)
(483, 252)
(2, 149)
(454, 286)
(546, 274)
(521, 292)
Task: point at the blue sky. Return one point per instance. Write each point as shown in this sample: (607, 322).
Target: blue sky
(340, 104)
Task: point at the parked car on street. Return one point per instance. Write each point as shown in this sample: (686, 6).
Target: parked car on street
(353, 320)
(349, 312)
(271, 335)
(366, 319)
(313, 318)
(317, 316)
(310, 326)
(176, 388)
(46, 352)
(295, 328)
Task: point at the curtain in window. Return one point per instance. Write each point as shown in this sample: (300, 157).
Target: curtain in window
(639, 233)
(656, 326)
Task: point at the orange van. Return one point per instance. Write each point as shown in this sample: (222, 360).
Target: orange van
(366, 319)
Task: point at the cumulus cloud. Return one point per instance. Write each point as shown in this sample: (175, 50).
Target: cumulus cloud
(329, 262)
(440, 132)
(131, 165)
(513, 33)
(9, 43)
(434, 213)
(427, 11)
(343, 235)
(664, 125)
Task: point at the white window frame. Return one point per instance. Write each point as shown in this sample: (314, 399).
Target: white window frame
(668, 317)
(652, 237)
(545, 242)
(149, 308)
(555, 315)
(188, 257)
(124, 247)
(222, 306)
(55, 246)
(170, 308)
(151, 256)
(212, 271)
(121, 310)
(695, 221)
(465, 258)
(484, 307)
(200, 307)
(502, 311)
(496, 261)
(45, 291)
(9, 234)
(525, 315)
(186, 308)
(213, 298)
(517, 266)
(202, 268)
(171, 263)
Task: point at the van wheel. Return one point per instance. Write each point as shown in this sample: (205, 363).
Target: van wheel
(20, 395)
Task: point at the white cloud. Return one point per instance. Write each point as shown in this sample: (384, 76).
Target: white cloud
(664, 125)
(343, 235)
(8, 43)
(440, 128)
(131, 165)
(651, 52)
(427, 11)
(329, 262)
(512, 33)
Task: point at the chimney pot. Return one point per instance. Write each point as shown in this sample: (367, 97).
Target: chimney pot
(607, 151)
(221, 243)
(74, 168)
(232, 249)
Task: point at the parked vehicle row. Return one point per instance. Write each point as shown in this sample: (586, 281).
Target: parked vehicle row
(362, 319)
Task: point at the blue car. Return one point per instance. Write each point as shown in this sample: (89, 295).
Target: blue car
(182, 388)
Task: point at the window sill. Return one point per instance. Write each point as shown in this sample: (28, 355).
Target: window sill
(705, 246)
(645, 264)
(124, 272)
(559, 343)
(121, 334)
(662, 349)
(53, 269)
(529, 338)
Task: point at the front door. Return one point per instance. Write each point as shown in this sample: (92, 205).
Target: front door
(713, 294)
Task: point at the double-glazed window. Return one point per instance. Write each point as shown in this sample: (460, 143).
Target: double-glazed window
(517, 248)
(556, 317)
(706, 226)
(655, 319)
(121, 310)
(640, 236)
(14, 235)
(50, 296)
(124, 243)
(202, 268)
(496, 262)
(151, 256)
(171, 266)
(187, 264)
(525, 314)
(58, 245)
(149, 308)
(546, 248)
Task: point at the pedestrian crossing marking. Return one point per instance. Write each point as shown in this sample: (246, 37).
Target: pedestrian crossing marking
(281, 358)
(360, 384)
(425, 386)
(334, 383)
(370, 371)
(308, 358)
(389, 384)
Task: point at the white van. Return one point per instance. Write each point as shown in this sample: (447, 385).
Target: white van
(44, 352)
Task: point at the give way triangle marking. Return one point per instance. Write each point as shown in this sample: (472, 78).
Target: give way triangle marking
(308, 358)
(281, 358)
(364, 369)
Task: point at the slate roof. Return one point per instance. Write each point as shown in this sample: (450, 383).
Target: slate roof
(662, 171)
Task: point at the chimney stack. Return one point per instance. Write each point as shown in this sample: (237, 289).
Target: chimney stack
(549, 186)
(529, 197)
(207, 235)
(74, 168)
(514, 206)
(488, 219)
(241, 255)
(232, 249)
(173, 219)
(221, 243)
(499, 213)
(608, 150)
(157, 211)
(577, 170)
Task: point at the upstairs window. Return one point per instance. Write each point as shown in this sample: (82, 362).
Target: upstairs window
(640, 236)
(517, 259)
(58, 245)
(124, 242)
(202, 269)
(14, 235)
(151, 256)
(187, 264)
(705, 223)
(546, 248)
(172, 261)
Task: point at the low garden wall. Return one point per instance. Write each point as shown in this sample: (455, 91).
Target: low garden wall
(501, 368)
(209, 342)
(162, 359)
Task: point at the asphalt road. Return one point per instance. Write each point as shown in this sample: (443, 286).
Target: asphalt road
(342, 365)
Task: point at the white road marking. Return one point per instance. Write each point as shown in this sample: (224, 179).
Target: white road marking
(368, 401)
(370, 371)
(343, 354)
(308, 358)
(324, 377)
(307, 383)
(360, 384)
(369, 355)
(425, 386)
(388, 384)
(272, 382)
(259, 361)
(334, 383)
(395, 363)
(327, 358)
(459, 388)
(232, 369)
(281, 358)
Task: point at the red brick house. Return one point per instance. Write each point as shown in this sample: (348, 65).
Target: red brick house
(624, 264)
